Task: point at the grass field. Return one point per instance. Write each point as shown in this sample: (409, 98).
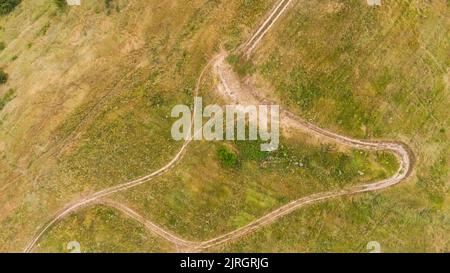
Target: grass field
(91, 109)
(372, 73)
(209, 194)
(101, 229)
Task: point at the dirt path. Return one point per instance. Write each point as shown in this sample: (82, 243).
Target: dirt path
(179, 242)
(231, 89)
(275, 14)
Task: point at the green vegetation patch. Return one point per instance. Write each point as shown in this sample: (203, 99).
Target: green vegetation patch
(6, 98)
(3, 77)
(60, 4)
(7, 6)
(227, 158)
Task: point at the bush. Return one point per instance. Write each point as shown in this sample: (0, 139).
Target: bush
(6, 6)
(61, 4)
(3, 77)
(108, 4)
(227, 158)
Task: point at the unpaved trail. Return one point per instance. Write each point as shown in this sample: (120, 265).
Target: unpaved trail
(230, 88)
(275, 14)
(179, 242)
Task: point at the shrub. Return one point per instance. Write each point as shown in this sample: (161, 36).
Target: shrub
(6, 6)
(3, 77)
(227, 158)
(108, 4)
(61, 4)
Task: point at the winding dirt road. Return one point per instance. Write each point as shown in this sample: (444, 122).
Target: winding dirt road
(231, 89)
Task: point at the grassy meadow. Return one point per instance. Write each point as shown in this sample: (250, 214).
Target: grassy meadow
(94, 86)
(381, 73)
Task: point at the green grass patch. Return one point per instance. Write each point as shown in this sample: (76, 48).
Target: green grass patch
(227, 158)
